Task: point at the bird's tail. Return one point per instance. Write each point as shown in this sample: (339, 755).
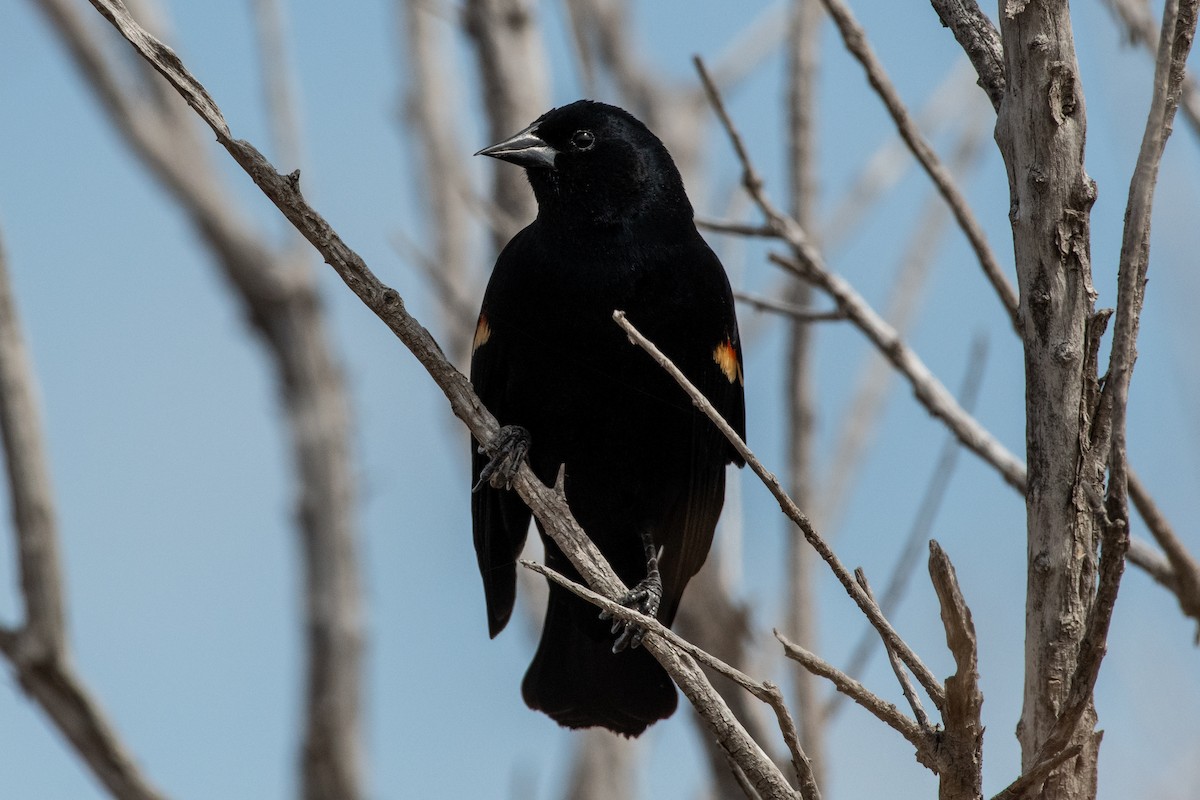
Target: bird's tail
(577, 679)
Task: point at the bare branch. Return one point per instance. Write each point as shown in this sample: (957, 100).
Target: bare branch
(906, 686)
(548, 505)
(929, 391)
(43, 636)
(882, 710)
(763, 690)
(38, 649)
(790, 310)
(931, 685)
(980, 41)
(961, 748)
(1139, 26)
(856, 42)
(922, 524)
(1183, 569)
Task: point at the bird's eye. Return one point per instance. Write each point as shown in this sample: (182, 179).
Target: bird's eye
(583, 140)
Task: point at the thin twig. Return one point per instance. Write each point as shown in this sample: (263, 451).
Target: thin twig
(922, 523)
(810, 266)
(1183, 570)
(735, 228)
(855, 39)
(885, 712)
(763, 690)
(906, 685)
(791, 310)
(1139, 27)
(549, 505)
(931, 685)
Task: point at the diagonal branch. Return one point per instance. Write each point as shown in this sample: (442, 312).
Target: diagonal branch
(931, 684)
(811, 266)
(763, 690)
(979, 40)
(1134, 16)
(921, 526)
(856, 42)
(885, 712)
(548, 504)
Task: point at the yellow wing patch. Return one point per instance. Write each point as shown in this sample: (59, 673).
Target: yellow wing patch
(483, 332)
(727, 359)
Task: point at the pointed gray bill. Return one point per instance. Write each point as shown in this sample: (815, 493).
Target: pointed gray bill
(525, 149)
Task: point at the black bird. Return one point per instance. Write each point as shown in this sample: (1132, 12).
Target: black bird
(645, 470)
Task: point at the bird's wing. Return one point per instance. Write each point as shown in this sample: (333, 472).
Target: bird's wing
(713, 362)
(500, 520)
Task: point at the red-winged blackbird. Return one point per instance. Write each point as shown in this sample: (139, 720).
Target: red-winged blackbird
(645, 470)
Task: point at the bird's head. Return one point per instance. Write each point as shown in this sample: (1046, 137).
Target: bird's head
(596, 165)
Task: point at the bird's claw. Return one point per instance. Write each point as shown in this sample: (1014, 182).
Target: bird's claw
(644, 598)
(507, 451)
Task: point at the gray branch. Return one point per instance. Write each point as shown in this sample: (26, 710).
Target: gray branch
(548, 504)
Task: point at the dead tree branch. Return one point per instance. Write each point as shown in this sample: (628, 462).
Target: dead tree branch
(548, 504)
(885, 712)
(979, 40)
(855, 39)
(961, 744)
(931, 685)
(922, 525)
(1138, 25)
(763, 690)
(810, 265)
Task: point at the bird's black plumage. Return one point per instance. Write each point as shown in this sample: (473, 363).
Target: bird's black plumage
(614, 231)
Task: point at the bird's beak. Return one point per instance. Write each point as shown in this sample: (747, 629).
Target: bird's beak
(525, 149)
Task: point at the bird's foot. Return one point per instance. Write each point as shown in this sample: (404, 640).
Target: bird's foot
(645, 598)
(507, 450)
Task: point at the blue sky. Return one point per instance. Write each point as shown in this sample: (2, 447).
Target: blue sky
(170, 464)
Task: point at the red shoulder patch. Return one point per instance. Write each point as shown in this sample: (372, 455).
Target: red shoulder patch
(726, 357)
